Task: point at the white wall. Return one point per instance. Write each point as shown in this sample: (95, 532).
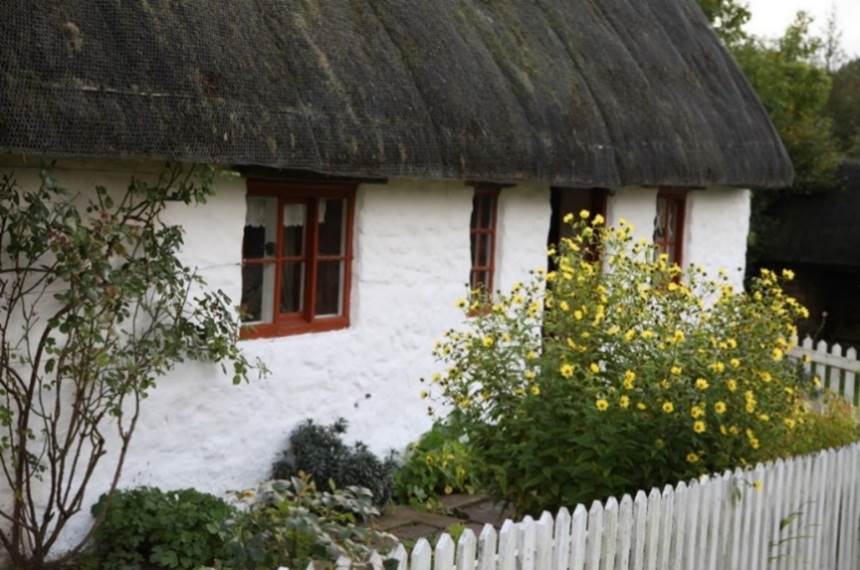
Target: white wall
(718, 221)
(636, 205)
(412, 262)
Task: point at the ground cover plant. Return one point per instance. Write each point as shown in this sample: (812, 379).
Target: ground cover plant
(620, 371)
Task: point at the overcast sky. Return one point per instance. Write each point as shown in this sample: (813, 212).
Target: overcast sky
(771, 17)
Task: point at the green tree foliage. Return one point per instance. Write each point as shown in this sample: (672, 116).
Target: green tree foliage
(728, 18)
(844, 107)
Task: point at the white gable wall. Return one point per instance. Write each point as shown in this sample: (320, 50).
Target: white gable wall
(717, 228)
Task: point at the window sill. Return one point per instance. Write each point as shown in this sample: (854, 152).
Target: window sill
(286, 329)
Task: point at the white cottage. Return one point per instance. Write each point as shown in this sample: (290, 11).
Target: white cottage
(389, 153)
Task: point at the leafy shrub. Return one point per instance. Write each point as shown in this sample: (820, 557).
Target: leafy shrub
(150, 528)
(320, 452)
(620, 371)
(832, 423)
(291, 523)
(440, 463)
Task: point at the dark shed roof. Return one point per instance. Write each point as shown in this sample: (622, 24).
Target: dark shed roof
(573, 92)
(819, 229)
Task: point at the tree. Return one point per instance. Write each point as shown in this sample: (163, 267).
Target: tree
(96, 308)
(833, 56)
(844, 107)
(728, 18)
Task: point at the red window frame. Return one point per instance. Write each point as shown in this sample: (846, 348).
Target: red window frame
(677, 201)
(285, 324)
(477, 230)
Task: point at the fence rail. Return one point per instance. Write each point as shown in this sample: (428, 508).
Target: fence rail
(837, 369)
(803, 513)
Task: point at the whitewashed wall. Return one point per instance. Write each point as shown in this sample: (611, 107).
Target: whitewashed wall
(412, 262)
(718, 221)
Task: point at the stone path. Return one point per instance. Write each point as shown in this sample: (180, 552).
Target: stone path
(472, 511)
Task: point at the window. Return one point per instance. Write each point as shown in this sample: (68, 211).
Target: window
(669, 225)
(483, 236)
(296, 257)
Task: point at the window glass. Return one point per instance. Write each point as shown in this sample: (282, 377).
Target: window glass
(332, 217)
(261, 219)
(258, 293)
(329, 292)
(294, 222)
(293, 287)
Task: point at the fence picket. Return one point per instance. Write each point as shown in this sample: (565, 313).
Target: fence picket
(543, 536)
(487, 548)
(640, 512)
(625, 533)
(466, 547)
(443, 558)
(561, 540)
(652, 529)
(680, 525)
(578, 537)
(667, 527)
(527, 544)
(421, 555)
(595, 536)
(402, 556)
(507, 546)
(610, 535)
(851, 377)
(690, 542)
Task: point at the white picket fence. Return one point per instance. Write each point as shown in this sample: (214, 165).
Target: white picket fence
(803, 513)
(837, 369)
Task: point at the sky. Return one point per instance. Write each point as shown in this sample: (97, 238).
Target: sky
(771, 17)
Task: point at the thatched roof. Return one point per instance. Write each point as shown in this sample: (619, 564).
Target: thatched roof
(821, 228)
(573, 92)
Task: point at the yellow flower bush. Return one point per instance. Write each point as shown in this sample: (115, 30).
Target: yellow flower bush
(619, 371)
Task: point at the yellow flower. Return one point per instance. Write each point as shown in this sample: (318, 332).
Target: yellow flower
(665, 384)
(788, 274)
(584, 214)
(424, 394)
(624, 402)
(564, 306)
(720, 408)
(692, 458)
(448, 489)
(697, 411)
(436, 378)
(595, 368)
(735, 363)
(702, 384)
(789, 423)
(613, 330)
(678, 336)
(676, 370)
(668, 407)
(731, 385)
(566, 370)
(642, 407)
(461, 303)
(530, 375)
(717, 367)
(532, 355)
(765, 377)
(568, 218)
(764, 417)
(602, 405)
(577, 314)
(488, 341)
(699, 427)
(598, 220)
(777, 354)
(630, 335)
(535, 390)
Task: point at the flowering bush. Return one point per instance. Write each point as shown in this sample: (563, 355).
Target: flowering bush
(619, 371)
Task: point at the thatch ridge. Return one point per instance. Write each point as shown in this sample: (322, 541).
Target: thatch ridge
(572, 92)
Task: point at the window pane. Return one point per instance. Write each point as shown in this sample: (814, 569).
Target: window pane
(295, 218)
(329, 301)
(258, 293)
(332, 216)
(293, 287)
(476, 205)
(260, 237)
(660, 221)
(487, 211)
(480, 281)
(483, 245)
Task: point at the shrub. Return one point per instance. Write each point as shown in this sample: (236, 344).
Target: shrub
(832, 423)
(619, 371)
(291, 523)
(150, 528)
(439, 463)
(320, 452)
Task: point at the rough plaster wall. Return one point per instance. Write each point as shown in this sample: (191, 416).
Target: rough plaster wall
(411, 263)
(636, 205)
(523, 230)
(716, 231)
